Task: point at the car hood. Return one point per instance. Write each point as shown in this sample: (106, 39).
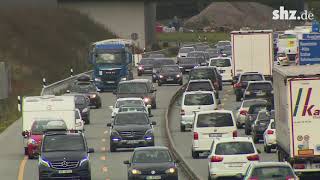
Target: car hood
(125, 95)
(132, 127)
(64, 155)
(152, 166)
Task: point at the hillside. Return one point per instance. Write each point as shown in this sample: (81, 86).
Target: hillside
(39, 43)
(234, 15)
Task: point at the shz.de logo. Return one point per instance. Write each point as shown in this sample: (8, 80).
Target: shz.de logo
(283, 14)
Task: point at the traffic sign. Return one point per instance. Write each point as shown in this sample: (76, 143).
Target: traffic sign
(309, 51)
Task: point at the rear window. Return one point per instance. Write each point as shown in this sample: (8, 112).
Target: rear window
(260, 86)
(251, 77)
(198, 99)
(231, 148)
(200, 86)
(188, 61)
(170, 69)
(214, 120)
(272, 173)
(220, 62)
(146, 61)
(202, 74)
(255, 109)
(250, 103)
(186, 50)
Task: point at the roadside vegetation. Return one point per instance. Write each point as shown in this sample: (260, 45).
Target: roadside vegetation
(39, 43)
(212, 37)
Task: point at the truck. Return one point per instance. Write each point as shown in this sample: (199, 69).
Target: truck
(252, 51)
(112, 62)
(297, 116)
(47, 108)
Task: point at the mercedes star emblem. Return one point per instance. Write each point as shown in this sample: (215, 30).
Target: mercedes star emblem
(153, 172)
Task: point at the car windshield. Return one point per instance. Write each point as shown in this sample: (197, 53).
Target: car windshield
(110, 58)
(39, 126)
(88, 88)
(80, 100)
(263, 123)
(250, 103)
(132, 88)
(195, 54)
(251, 77)
(256, 108)
(198, 99)
(260, 86)
(186, 50)
(159, 63)
(234, 148)
(131, 118)
(202, 74)
(264, 115)
(146, 61)
(220, 62)
(214, 120)
(151, 156)
(170, 69)
(188, 61)
(129, 103)
(200, 86)
(63, 143)
(272, 173)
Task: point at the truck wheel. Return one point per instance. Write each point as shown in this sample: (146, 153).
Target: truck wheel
(195, 155)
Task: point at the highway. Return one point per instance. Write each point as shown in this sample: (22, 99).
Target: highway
(104, 164)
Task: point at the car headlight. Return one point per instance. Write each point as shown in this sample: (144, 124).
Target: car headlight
(123, 79)
(178, 75)
(140, 67)
(146, 100)
(161, 76)
(247, 93)
(149, 132)
(43, 162)
(135, 171)
(170, 170)
(32, 141)
(85, 110)
(93, 95)
(97, 79)
(84, 160)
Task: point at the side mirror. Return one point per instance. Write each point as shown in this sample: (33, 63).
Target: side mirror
(153, 123)
(126, 162)
(90, 150)
(114, 92)
(109, 124)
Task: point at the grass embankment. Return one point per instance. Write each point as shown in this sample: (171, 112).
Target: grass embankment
(212, 37)
(39, 43)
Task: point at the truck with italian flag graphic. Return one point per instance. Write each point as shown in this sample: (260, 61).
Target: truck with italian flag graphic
(297, 116)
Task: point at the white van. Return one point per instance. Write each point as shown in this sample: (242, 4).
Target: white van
(195, 101)
(209, 125)
(223, 65)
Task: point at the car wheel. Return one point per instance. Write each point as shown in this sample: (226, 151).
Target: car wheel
(25, 151)
(195, 155)
(159, 83)
(113, 148)
(182, 128)
(268, 149)
(246, 131)
(139, 74)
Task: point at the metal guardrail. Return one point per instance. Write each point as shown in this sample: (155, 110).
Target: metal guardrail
(60, 86)
(183, 164)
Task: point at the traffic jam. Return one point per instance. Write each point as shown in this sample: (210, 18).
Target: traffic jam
(274, 85)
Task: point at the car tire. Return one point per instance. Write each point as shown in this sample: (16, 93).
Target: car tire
(182, 128)
(195, 155)
(139, 74)
(159, 83)
(25, 151)
(267, 149)
(246, 131)
(113, 148)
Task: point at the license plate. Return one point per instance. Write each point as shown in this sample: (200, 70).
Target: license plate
(65, 171)
(153, 177)
(215, 135)
(169, 79)
(132, 141)
(110, 82)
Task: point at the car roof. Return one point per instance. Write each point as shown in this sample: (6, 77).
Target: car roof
(220, 57)
(129, 98)
(151, 148)
(198, 92)
(259, 82)
(233, 139)
(215, 111)
(131, 106)
(269, 164)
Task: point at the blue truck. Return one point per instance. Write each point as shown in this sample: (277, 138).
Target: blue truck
(112, 62)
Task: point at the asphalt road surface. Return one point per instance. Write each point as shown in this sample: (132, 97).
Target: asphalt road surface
(104, 164)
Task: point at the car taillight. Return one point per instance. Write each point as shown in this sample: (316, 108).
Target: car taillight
(290, 178)
(243, 112)
(235, 133)
(237, 85)
(216, 159)
(195, 136)
(253, 157)
(182, 112)
(270, 132)
(299, 166)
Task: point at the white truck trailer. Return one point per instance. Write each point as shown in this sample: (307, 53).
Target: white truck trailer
(297, 116)
(252, 51)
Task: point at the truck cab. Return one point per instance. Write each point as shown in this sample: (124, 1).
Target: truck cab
(112, 63)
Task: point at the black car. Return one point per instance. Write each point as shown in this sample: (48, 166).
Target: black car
(64, 156)
(88, 89)
(200, 54)
(142, 88)
(213, 53)
(226, 51)
(207, 72)
(259, 89)
(130, 130)
(188, 63)
(82, 103)
(241, 83)
(152, 163)
(170, 74)
(145, 66)
(260, 125)
(252, 115)
(201, 85)
(157, 66)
